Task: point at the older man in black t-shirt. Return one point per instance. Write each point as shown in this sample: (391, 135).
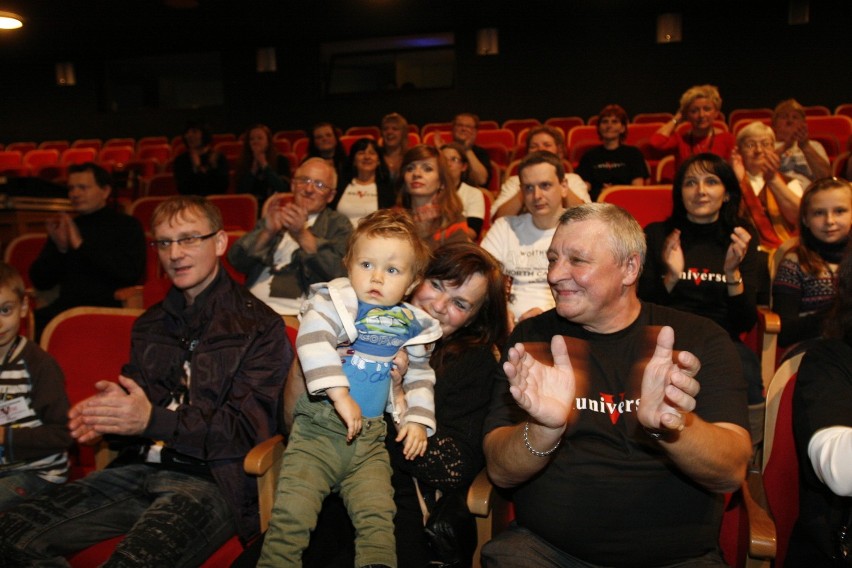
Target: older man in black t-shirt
(614, 456)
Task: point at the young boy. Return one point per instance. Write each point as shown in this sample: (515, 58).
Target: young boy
(34, 433)
(351, 329)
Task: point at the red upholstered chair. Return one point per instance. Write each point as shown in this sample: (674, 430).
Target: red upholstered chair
(35, 159)
(665, 172)
(120, 142)
(349, 139)
(78, 155)
(94, 143)
(647, 203)
(117, 154)
(433, 126)
(291, 135)
(654, 117)
(839, 164)
(22, 251)
(566, 123)
(780, 461)
(60, 145)
(11, 160)
(282, 146)
(518, 124)
(161, 184)
(239, 210)
(162, 153)
(748, 114)
(22, 147)
(361, 131)
(300, 149)
(498, 136)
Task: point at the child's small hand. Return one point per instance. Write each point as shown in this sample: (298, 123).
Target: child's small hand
(414, 435)
(348, 410)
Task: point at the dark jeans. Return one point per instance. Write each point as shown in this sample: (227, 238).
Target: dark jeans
(169, 518)
(517, 546)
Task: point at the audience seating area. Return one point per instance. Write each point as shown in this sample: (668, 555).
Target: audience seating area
(758, 518)
(144, 164)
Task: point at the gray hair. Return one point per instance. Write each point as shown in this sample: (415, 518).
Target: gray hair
(626, 237)
(753, 130)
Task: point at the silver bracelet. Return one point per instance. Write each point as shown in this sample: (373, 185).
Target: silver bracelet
(534, 451)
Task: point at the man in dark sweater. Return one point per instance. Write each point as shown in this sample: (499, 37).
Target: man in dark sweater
(91, 255)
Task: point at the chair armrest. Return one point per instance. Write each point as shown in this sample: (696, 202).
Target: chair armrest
(768, 327)
(130, 297)
(761, 528)
(264, 462)
(479, 495)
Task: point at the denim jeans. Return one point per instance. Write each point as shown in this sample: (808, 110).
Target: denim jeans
(169, 518)
(18, 486)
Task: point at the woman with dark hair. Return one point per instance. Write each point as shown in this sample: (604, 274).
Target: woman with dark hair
(613, 162)
(394, 142)
(425, 190)
(261, 170)
(703, 259)
(200, 170)
(324, 143)
(822, 426)
(463, 289)
(805, 284)
(365, 185)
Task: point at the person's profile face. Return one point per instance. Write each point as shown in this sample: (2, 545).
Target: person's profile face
(85, 194)
(453, 306)
(12, 310)
(456, 166)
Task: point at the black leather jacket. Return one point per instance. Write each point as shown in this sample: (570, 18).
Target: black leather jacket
(239, 360)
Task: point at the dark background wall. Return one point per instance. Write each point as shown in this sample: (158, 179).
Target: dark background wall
(556, 59)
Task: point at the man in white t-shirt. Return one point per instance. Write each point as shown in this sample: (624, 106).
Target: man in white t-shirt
(540, 139)
(295, 244)
(520, 242)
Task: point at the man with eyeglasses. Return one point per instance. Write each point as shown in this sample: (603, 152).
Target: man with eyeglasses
(772, 201)
(90, 253)
(203, 386)
(297, 242)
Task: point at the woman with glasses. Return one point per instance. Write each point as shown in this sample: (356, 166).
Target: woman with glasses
(425, 190)
(365, 185)
(771, 200)
(703, 258)
(472, 198)
(297, 242)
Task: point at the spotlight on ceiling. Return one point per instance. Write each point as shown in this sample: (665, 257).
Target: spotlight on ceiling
(10, 21)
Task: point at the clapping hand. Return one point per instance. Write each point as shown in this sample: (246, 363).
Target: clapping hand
(668, 387)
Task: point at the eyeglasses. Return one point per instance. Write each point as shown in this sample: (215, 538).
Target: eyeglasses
(763, 144)
(301, 183)
(183, 242)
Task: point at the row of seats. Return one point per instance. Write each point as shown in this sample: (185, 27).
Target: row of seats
(515, 125)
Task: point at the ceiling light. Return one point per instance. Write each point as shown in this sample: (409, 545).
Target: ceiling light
(10, 21)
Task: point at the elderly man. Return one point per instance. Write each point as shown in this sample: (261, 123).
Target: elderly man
(802, 159)
(203, 386)
(295, 244)
(615, 457)
(772, 201)
(91, 255)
